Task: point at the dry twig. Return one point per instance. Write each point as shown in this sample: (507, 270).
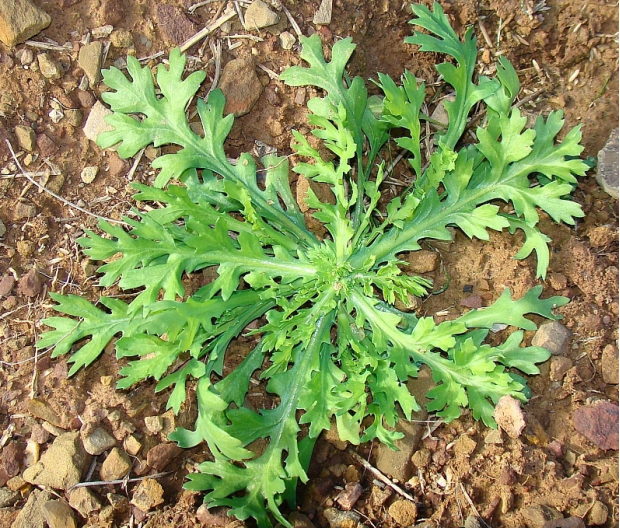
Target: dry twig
(379, 475)
(56, 196)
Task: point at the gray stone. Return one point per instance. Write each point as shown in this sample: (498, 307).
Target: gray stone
(338, 518)
(50, 69)
(95, 124)
(26, 138)
(98, 442)
(323, 15)
(287, 40)
(8, 497)
(116, 465)
(84, 501)
(20, 20)
(553, 336)
(2, 229)
(258, 16)
(89, 59)
(31, 514)
(58, 514)
(241, 86)
(61, 465)
(607, 168)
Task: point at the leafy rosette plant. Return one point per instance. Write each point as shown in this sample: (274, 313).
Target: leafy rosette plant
(331, 345)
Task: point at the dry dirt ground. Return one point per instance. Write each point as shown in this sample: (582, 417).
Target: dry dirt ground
(566, 54)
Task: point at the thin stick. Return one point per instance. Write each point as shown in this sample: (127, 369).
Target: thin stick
(207, 30)
(292, 21)
(379, 475)
(57, 197)
(136, 162)
(116, 481)
(46, 46)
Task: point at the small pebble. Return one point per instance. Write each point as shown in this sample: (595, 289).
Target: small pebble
(88, 174)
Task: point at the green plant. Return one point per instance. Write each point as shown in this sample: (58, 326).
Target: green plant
(332, 345)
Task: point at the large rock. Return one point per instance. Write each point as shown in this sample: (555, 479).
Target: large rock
(61, 466)
(607, 169)
(89, 60)
(598, 422)
(32, 514)
(258, 15)
(553, 336)
(20, 20)
(241, 86)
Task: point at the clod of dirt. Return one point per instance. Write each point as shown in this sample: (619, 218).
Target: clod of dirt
(607, 168)
(509, 416)
(472, 302)
(403, 512)
(98, 442)
(347, 497)
(175, 27)
(559, 366)
(24, 210)
(89, 59)
(215, 517)
(61, 465)
(20, 20)
(241, 86)
(121, 38)
(30, 284)
(84, 501)
(46, 145)
(609, 364)
(148, 494)
(58, 514)
(161, 455)
(258, 16)
(12, 457)
(116, 465)
(421, 262)
(31, 514)
(599, 424)
(553, 336)
(6, 285)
